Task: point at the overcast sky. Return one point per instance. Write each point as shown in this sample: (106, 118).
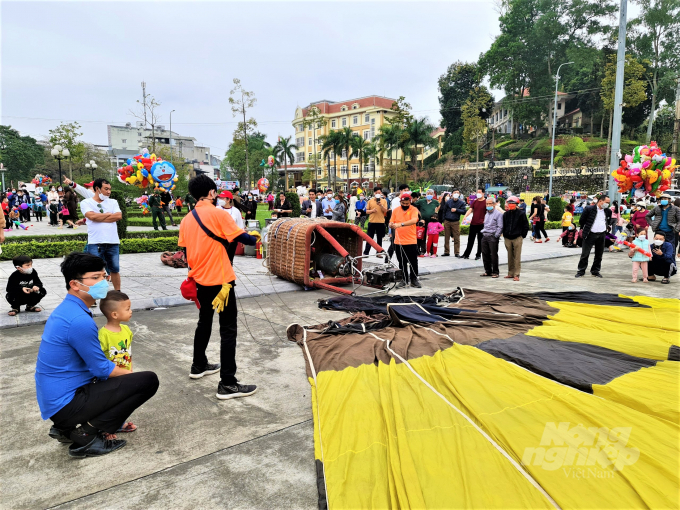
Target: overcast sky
(85, 61)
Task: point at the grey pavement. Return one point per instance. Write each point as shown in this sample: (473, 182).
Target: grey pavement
(151, 284)
(194, 451)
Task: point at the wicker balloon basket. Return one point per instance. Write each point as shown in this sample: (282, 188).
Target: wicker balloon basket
(295, 244)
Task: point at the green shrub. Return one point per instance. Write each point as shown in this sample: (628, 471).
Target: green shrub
(294, 200)
(557, 206)
(504, 154)
(524, 152)
(575, 145)
(58, 238)
(122, 224)
(37, 250)
(456, 150)
(503, 144)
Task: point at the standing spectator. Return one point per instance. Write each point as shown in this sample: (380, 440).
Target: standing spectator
(571, 206)
(360, 207)
(178, 205)
(5, 214)
(442, 206)
(429, 209)
(282, 206)
(270, 201)
(38, 207)
(522, 206)
(352, 208)
(665, 219)
(478, 211)
(616, 213)
(214, 276)
(491, 233)
(76, 386)
(434, 228)
(60, 191)
(166, 200)
(638, 217)
(102, 213)
(376, 210)
(53, 198)
(70, 200)
(339, 210)
(155, 203)
(515, 228)
(455, 207)
(396, 201)
(663, 259)
(403, 224)
(225, 200)
(567, 218)
(190, 201)
(327, 205)
(640, 260)
(311, 207)
(594, 222)
(21, 199)
(250, 207)
(538, 212)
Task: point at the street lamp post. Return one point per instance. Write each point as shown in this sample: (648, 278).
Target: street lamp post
(552, 150)
(92, 165)
(170, 139)
(60, 153)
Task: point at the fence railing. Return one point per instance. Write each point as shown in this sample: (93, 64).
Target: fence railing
(504, 163)
(572, 172)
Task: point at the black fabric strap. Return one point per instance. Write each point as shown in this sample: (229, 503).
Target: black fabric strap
(220, 240)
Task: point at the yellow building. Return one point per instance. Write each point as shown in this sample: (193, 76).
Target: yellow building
(364, 116)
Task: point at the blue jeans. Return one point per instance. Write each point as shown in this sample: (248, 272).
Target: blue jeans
(109, 253)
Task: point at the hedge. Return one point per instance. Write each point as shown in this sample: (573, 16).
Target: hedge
(123, 222)
(504, 153)
(57, 238)
(557, 206)
(38, 250)
(524, 152)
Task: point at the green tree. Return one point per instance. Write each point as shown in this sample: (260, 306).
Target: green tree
(474, 125)
(402, 111)
(419, 132)
(655, 39)
(331, 144)
(284, 150)
(360, 150)
(454, 88)
(345, 140)
(19, 154)
(241, 101)
(314, 120)
(67, 136)
(662, 131)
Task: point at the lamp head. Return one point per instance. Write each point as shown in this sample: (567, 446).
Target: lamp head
(65, 153)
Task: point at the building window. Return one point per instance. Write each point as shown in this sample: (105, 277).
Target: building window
(124, 140)
(333, 123)
(343, 108)
(299, 157)
(355, 169)
(355, 120)
(309, 156)
(300, 142)
(332, 155)
(367, 168)
(367, 135)
(344, 154)
(366, 118)
(343, 170)
(355, 106)
(559, 107)
(372, 132)
(319, 172)
(139, 134)
(344, 121)
(309, 141)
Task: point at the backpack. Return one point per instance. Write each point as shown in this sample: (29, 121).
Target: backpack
(176, 259)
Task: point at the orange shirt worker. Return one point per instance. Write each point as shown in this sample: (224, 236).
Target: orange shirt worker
(215, 280)
(403, 223)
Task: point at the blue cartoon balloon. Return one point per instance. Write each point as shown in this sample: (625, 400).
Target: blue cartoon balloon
(163, 171)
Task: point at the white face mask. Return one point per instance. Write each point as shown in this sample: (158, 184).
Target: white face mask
(221, 202)
(25, 271)
(455, 196)
(103, 197)
(658, 242)
(642, 236)
(479, 195)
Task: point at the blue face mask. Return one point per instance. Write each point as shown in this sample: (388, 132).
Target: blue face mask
(664, 202)
(337, 201)
(99, 290)
(489, 208)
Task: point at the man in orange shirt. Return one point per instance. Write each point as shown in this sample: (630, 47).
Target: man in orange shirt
(215, 279)
(403, 223)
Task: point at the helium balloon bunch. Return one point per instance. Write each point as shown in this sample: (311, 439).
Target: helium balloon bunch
(42, 180)
(648, 171)
(143, 202)
(144, 170)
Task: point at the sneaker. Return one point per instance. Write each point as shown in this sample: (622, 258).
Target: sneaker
(400, 285)
(579, 275)
(433, 256)
(478, 257)
(416, 284)
(208, 369)
(235, 391)
(446, 255)
(596, 275)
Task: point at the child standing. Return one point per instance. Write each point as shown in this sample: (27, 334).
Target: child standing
(24, 286)
(640, 260)
(433, 230)
(567, 218)
(116, 338)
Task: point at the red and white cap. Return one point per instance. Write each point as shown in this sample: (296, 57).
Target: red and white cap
(513, 200)
(88, 184)
(405, 196)
(226, 194)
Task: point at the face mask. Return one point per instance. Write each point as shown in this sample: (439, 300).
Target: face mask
(429, 197)
(606, 206)
(511, 206)
(25, 271)
(571, 227)
(658, 242)
(405, 207)
(489, 208)
(221, 202)
(329, 197)
(99, 290)
(337, 201)
(642, 236)
(664, 202)
(455, 196)
(59, 189)
(479, 195)
(103, 197)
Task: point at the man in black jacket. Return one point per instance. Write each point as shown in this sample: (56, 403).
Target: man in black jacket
(515, 228)
(594, 221)
(166, 200)
(312, 207)
(455, 207)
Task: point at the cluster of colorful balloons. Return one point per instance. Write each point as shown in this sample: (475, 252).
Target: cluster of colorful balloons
(144, 170)
(143, 202)
(647, 172)
(42, 180)
(263, 184)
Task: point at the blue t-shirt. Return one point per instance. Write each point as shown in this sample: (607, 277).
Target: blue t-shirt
(69, 357)
(361, 205)
(664, 220)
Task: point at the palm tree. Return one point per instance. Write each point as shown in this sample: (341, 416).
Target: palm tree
(359, 149)
(330, 143)
(392, 138)
(419, 134)
(345, 140)
(373, 151)
(285, 149)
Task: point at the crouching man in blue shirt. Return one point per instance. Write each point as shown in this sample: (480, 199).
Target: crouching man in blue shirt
(87, 397)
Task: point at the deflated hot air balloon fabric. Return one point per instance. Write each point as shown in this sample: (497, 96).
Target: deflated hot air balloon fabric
(486, 400)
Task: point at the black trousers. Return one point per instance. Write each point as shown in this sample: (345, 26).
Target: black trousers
(377, 231)
(423, 242)
(38, 214)
(660, 268)
(54, 214)
(17, 299)
(157, 213)
(408, 254)
(596, 240)
(26, 214)
(490, 254)
(228, 331)
(540, 227)
(107, 404)
(475, 232)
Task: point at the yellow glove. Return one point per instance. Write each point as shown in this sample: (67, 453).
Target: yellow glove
(255, 234)
(222, 298)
